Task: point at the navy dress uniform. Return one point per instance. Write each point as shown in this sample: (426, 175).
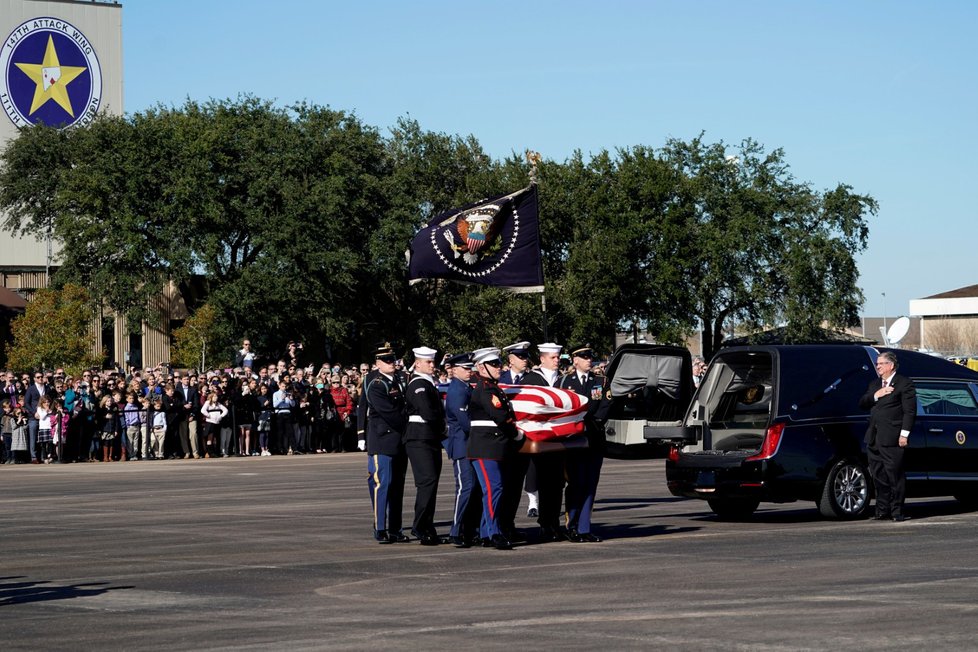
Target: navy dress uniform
(422, 441)
(492, 431)
(468, 495)
(519, 474)
(584, 465)
(521, 352)
(387, 461)
(549, 466)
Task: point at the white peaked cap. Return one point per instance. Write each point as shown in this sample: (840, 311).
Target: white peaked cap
(424, 353)
(519, 346)
(485, 355)
(549, 347)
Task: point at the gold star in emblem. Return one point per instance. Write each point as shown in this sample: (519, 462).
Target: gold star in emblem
(52, 79)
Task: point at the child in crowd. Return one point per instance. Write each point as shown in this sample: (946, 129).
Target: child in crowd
(45, 446)
(108, 425)
(159, 428)
(18, 436)
(264, 418)
(59, 429)
(132, 417)
(213, 412)
(6, 431)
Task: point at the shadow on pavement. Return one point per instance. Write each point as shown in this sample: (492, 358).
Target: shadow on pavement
(12, 592)
(625, 531)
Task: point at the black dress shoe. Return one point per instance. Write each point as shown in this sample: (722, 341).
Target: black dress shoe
(460, 542)
(548, 534)
(900, 518)
(382, 536)
(398, 537)
(429, 540)
(486, 542)
(499, 542)
(572, 535)
(588, 537)
(532, 513)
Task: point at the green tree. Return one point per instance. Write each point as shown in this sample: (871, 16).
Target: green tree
(198, 344)
(54, 331)
(762, 248)
(271, 206)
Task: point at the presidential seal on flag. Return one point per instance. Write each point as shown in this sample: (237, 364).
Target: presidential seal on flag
(491, 242)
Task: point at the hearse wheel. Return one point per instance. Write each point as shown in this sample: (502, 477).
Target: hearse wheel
(846, 491)
(733, 509)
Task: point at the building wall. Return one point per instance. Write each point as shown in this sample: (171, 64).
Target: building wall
(96, 28)
(951, 335)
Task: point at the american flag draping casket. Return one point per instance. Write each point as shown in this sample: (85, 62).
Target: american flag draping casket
(544, 413)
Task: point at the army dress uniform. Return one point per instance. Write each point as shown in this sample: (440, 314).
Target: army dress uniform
(422, 441)
(387, 461)
(584, 465)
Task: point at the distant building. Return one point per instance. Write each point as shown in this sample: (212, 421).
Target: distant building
(62, 65)
(949, 321)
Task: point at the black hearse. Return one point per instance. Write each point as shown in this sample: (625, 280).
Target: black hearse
(782, 423)
(649, 388)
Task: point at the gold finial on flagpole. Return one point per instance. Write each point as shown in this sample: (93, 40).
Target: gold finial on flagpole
(533, 158)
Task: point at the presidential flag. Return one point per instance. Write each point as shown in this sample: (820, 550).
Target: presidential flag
(492, 242)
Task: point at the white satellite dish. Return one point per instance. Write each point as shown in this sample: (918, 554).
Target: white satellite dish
(898, 331)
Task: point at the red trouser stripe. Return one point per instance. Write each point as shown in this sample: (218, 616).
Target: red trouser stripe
(482, 466)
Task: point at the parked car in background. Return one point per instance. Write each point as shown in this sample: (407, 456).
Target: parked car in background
(783, 423)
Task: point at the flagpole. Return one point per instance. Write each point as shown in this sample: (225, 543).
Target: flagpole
(533, 158)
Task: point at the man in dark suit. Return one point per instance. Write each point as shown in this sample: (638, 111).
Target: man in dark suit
(188, 403)
(892, 401)
(32, 397)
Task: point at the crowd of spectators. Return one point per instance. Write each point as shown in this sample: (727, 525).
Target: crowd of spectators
(159, 413)
(251, 409)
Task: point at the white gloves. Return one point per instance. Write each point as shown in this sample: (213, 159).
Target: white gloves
(362, 445)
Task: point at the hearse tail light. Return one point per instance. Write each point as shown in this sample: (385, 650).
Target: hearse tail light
(772, 439)
(673, 454)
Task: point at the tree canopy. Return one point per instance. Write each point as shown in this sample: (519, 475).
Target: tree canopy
(296, 220)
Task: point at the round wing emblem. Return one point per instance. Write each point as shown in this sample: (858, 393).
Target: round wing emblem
(960, 437)
(51, 74)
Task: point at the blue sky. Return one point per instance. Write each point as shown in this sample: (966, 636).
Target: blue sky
(879, 95)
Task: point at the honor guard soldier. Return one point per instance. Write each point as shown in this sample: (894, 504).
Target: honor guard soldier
(422, 440)
(387, 462)
(518, 358)
(549, 467)
(492, 431)
(468, 495)
(584, 464)
(520, 474)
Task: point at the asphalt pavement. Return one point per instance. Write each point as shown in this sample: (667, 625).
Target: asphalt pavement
(276, 554)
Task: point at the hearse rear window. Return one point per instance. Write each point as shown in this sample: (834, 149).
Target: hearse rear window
(952, 399)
